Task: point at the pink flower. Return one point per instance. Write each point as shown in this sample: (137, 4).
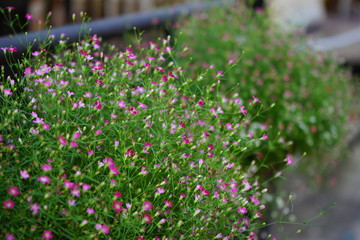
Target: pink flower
(7, 92)
(168, 203)
(147, 218)
(10, 236)
(44, 179)
(47, 234)
(147, 206)
(75, 192)
(86, 187)
(28, 16)
(35, 208)
(69, 185)
(289, 160)
(101, 227)
(117, 194)
(74, 144)
(160, 190)
(46, 167)
(62, 141)
(76, 135)
(13, 191)
(98, 132)
(90, 211)
(24, 174)
(256, 99)
(117, 206)
(8, 204)
(242, 210)
(133, 111)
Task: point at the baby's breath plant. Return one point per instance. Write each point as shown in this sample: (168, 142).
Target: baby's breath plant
(310, 93)
(120, 144)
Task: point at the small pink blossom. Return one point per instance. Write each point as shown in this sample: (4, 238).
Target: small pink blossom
(24, 174)
(168, 203)
(117, 194)
(13, 191)
(147, 206)
(44, 179)
(47, 234)
(147, 218)
(8, 204)
(7, 92)
(73, 144)
(62, 141)
(35, 208)
(160, 190)
(117, 206)
(28, 16)
(46, 167)
(86, 187)
(289, 160)
(90, 211)
(10, 236)
(242, 210)
(98, 131)
(75, 192)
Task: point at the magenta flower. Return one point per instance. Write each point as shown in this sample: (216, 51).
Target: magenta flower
(47, 234)
(28, 16)
(10, 236)
(73, 144)
(117, 194)
(13, 191)
(242, 210)
(147, 218)
(8, 204)
(69, 185)
(7, 92)
(76, 135)
(35, 208)
(168, 203)
(24, 174)
(98, 132)
(147, 206)
(44, 179)
(117, 206)
(46, 167)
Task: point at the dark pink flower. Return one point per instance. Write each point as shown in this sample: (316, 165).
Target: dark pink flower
(8, 204)
(35, 208)
(28, 16)
(13, 191)
(147, 218)
(46, 167)
(147, 206)
(117, 206)
(47, 234)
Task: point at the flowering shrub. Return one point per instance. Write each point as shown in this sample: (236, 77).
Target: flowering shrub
(309, 91)
(124, 145)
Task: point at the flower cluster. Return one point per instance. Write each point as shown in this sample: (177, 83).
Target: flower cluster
(122, 143)
(307, 95)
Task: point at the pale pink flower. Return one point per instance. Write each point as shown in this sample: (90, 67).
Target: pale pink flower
(35, 208)
(24, 174)
(44, 179)
(90, 211)
(7, 92)
(62, 140)
(289, 160)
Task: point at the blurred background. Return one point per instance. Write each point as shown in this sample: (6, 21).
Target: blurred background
(332, 24)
